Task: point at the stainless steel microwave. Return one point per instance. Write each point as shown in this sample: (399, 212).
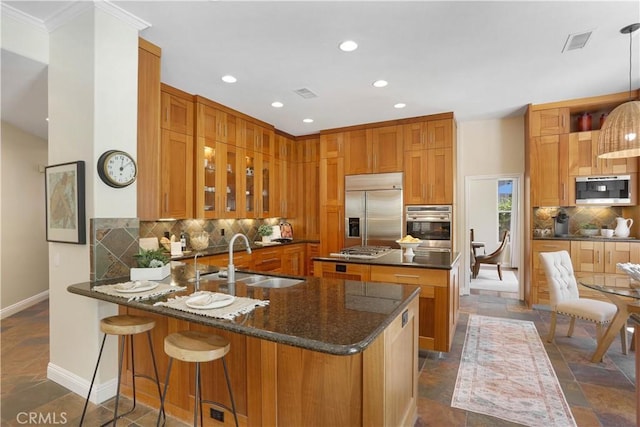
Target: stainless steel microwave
(603, 190)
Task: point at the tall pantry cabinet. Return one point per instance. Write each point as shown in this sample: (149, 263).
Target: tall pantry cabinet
(165, 143)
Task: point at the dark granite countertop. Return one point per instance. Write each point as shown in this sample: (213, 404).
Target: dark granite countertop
(332, 316)
(239, 246)
(593, 238)
(395, 257)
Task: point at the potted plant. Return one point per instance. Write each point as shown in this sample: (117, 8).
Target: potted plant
(153, 264)
(265, 231)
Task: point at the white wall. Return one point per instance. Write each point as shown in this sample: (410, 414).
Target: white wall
(499, 144)
(25, 271)
(92, 108)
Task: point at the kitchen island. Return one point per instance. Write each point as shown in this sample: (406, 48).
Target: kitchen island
(436, 272)
(323, 352)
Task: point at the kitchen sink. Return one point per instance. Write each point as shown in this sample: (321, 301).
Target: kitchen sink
(269, 281)
(257, 280)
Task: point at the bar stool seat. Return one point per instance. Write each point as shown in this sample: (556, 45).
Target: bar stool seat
(198, 347)
(125, 325)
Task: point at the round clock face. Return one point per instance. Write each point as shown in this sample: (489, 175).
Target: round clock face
(117, 168)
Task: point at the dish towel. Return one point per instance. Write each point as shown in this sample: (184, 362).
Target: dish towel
(241, 305)
(161, 289)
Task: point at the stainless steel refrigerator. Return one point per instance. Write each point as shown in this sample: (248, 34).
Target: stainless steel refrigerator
(373, 209)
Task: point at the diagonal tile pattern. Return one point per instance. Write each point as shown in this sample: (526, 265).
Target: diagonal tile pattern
(599, 394)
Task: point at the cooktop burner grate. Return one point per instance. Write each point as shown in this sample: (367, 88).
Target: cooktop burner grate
(365, 252)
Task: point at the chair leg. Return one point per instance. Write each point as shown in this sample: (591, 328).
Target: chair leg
(86, 402)
(623, 338)
(499, 272)
(155, 370)
(598, 332)
(233, 403)
(164, 394)
(572, 324)
(552, 327)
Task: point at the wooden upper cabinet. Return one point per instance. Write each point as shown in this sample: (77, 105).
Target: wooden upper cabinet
(177, 111)
(428, 134)
(374, 150)
(357, 152)
(332, 182)
(148, 156)
(387, 149)
(554, 121)
(415, 177)
(265, 140)
(177, 175)
(584, 161)
(414, 136)
(550, 183)
(439, 176)
(439, 133)
(332, 145)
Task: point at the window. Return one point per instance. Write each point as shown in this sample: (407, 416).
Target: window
(505, 203)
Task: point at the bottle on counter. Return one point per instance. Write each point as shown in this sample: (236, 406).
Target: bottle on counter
(183, 241)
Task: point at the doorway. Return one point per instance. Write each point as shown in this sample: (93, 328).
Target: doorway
(493, 206)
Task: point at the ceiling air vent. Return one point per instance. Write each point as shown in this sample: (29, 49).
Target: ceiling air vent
(305, 93)
(577, 41)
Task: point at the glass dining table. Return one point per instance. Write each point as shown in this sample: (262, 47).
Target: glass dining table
(626, 298)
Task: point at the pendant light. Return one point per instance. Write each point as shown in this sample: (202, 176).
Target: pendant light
(620, 133)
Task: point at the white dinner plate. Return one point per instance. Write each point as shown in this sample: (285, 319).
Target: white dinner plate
(137, 286)
(210, 300)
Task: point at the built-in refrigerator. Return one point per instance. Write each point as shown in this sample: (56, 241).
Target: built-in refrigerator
(373, 209)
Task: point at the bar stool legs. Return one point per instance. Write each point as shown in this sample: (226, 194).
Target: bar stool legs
(194, 346)
(124, 325)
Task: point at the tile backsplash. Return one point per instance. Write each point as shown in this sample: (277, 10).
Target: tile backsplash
(114, 241)
(113, 244)
(602, 217)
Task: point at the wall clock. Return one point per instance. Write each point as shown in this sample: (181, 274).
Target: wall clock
(117, 169)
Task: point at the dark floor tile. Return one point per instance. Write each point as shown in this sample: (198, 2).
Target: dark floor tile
(29, 398)
(593, 374)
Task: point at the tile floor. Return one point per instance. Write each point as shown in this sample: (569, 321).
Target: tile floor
(599, 394)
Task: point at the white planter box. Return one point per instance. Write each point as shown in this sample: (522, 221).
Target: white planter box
(157, 273)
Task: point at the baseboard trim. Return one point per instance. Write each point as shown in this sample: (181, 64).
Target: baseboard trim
(80, 386)
(24, 304)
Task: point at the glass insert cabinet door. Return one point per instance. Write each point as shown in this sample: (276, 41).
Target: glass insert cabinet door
(232, 182)
(210, 204)
(250, 181)
(266, 186)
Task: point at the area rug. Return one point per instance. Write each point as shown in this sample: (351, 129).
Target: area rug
(488, 280)
(505, 373)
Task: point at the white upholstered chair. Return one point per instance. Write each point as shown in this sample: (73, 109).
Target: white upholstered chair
(565, 298)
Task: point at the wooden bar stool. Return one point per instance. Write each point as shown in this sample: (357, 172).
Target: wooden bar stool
(198, 347)
(125, 325)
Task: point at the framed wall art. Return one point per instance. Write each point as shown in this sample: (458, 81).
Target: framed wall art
(65, 208)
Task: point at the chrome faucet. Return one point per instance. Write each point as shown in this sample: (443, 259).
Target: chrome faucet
(197, 276)
(231, 270)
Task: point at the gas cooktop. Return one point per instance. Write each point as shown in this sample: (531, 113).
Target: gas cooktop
(363, 252)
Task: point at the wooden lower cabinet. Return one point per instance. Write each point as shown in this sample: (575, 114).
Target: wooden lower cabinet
(588, 257)
(439, 294)
(439, 300)
(293, 260)
(539, 287)
(340, 270)
(280, 385)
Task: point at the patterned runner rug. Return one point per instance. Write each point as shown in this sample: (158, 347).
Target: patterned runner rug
(505, 373)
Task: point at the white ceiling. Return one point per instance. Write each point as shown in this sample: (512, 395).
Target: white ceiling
(481, 60)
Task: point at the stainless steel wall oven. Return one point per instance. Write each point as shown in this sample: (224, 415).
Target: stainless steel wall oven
(431, 224)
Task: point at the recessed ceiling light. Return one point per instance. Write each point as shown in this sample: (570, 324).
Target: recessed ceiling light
(348, 46)
(380, 83)
(277, 104)
(229, 79)
(400, 105)
(308, 120)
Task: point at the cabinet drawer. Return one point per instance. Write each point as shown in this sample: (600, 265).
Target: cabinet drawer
(339, 270)
(268, 259)
(427, 279)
